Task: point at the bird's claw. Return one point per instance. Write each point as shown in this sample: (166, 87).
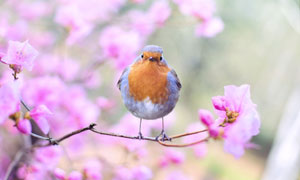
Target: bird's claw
(140, 136)
(163, 136)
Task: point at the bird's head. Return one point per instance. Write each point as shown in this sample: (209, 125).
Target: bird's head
(152, 53)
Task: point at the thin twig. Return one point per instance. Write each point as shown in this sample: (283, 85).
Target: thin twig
(13, 164)
(124, 136)
(188, 134)
(182, 145)
(91, 128)
(25, 106)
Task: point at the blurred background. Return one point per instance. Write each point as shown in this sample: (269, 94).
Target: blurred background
(259, 45)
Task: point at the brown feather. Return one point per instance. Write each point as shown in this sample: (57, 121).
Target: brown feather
(149, 79)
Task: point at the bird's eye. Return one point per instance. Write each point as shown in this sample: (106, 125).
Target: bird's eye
(160, 58)
(142, 56)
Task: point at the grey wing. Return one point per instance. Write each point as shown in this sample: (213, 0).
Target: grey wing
(122, 77)
(176, 78)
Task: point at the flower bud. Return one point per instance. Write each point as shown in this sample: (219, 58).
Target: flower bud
(24, 126)
(206, 117)
(219, 103)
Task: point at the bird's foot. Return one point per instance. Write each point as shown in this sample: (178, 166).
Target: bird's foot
(140, 136)
(163, 136)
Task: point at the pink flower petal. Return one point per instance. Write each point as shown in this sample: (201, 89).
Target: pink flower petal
(24, 126)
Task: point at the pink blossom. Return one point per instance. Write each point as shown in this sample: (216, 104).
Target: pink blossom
(48, 156)
(123, 173)
(244, 121)
(45, 90)
(33, 10)
(159, 12)
(60, 174)
(39, 115)
(218, 103)
(142, 173)
(1, 56)
(15, 31)
(68, 69)
(43, 67)
(210, 27)
(75, 175)
(9, 95)
(20, 54)
(120, 45)
(82, 112)
(29, 171)
(71, 17)
(105, 103)
(176, 175)
(202, 9)
(206, 117)
(138, 23)
(199, 149)
(92, 170)
(24, 126)
(172, 156)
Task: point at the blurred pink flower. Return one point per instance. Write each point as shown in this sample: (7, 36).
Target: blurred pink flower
(138, 23)
(61, 175)
(123, 173)
(48, 156)
(39, 115)
(45, 90)
(199, 149)
(171, 156)
(142, 173)
(176, 175)
(159, 12)
(30, 171)
(92, 170)
(120, 45)
(81, 111)
(210, 27)
(75, 175)
(68, 69)
(24, 126)
(43, 65)
(71, 17)
(20, 54)
(206, 117)
(156, 16)
(16, 31)
(1, 55)
(202, 9)
(33, 10)
(105, 103)
(245, 122)
(9, 95)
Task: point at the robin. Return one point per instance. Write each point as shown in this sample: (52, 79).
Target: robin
(149, 87)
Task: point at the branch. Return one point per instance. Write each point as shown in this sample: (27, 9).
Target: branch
(13, 164)
(153, 139)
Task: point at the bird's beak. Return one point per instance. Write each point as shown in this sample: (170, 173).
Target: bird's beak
(151, 59)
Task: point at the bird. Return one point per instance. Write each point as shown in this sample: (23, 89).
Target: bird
(149, 87)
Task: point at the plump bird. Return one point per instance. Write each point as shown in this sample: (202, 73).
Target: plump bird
(149, 87)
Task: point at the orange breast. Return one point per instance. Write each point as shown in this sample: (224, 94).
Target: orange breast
(149, 79)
